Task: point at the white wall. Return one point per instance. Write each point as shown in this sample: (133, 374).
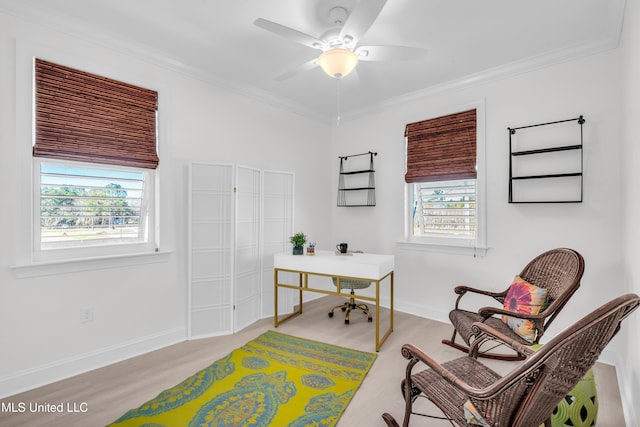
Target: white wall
(630, 334)
(516, 232)
(138, 307)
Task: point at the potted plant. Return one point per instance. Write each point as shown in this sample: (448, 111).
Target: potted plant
(298, 240)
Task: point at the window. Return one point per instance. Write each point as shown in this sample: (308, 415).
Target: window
(445, 208)
(94, 157)
(94, 163)
(85, 205)
(444, 187)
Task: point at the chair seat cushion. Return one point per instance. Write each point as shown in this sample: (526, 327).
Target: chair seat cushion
(524, 298)
(351, 283)
(450, 399)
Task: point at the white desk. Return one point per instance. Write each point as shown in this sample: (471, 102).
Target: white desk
(372, 267)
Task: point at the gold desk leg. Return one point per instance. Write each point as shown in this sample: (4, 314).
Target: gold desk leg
(277, 322)
(275, 297)
(303, 284)
(391, 291)
(302, 280)
(379, 341)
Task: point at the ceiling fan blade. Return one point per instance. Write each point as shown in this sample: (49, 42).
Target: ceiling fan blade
(391, 53)
(309, 65)
(289, 33)
(361, 18)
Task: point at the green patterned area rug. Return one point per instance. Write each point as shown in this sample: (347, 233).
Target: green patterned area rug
(273, 380)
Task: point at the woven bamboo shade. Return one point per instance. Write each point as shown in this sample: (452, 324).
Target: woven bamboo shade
(86, 117)
(442, 149)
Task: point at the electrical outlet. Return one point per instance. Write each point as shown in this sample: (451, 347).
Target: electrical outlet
(86, 315)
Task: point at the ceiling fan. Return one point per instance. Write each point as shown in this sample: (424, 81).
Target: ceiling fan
(339, 45)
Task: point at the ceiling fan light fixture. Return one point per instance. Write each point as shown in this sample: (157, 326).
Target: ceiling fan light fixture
(338, 62)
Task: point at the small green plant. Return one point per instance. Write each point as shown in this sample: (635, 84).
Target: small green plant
(298, 239)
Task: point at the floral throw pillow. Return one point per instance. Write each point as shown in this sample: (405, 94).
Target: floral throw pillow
(524, 298)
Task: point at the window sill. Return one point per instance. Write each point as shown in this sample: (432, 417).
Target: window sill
(87, 264)
(443, 248)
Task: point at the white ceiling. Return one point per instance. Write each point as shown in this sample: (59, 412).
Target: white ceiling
(216, 41)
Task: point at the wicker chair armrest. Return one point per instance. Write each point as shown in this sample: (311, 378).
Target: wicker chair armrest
(411, 352)
(484, 332)
(461, 290)
(490, 311)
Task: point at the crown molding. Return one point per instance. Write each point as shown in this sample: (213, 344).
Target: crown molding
(501, 72)
(82, 31)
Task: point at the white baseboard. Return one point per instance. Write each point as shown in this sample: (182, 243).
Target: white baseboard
(421, 310)
(42, 375)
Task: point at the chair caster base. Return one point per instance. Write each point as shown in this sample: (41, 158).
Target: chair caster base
(350, 306)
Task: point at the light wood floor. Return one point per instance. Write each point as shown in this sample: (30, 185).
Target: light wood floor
(109, 392)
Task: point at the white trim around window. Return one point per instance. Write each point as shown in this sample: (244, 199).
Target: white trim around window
(462, 246)
(29, 261)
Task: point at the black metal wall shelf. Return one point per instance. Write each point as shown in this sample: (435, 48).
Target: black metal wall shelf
(569, 181)
(547, 150)
(356, 189)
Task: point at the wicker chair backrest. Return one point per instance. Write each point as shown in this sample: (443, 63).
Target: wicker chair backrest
(554, 370)
(558, 270)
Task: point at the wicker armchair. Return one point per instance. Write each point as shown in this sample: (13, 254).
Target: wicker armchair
(558, 271)
(526, 396)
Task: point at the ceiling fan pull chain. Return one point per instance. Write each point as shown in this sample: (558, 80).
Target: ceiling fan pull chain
(338, 101)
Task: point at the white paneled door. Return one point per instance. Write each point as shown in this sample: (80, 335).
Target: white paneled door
(238, 218)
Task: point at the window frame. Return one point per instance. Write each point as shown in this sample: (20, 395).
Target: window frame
(450, 244)
(145, 244)
(29, 262)
(460, 187)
